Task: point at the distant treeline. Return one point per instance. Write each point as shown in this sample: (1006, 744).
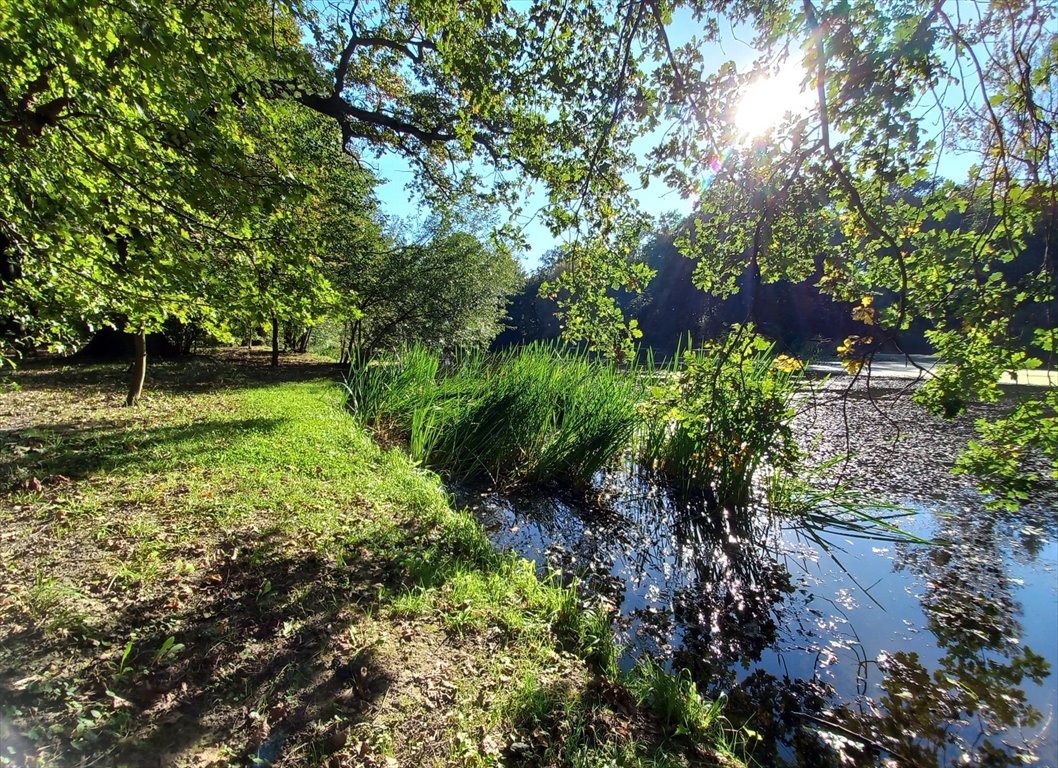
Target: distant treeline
(799, 316)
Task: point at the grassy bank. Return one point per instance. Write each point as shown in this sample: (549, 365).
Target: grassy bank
(234, 573)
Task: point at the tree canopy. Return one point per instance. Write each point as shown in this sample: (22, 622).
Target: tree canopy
(922, 166)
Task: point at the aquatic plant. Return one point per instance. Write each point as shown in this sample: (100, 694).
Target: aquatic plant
(821, 504)
(384, 392)
(523, 416)
(717, 414)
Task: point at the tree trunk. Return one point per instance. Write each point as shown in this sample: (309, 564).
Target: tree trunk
(12, 330)
(138, 370)
(275, 341)
(343, 344)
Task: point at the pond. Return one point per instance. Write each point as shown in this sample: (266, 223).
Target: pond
(833, 649)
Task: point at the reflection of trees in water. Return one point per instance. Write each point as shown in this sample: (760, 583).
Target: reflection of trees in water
(716, 572)
(728, 610)
(958, 711)
(661, 559)
(717, 575)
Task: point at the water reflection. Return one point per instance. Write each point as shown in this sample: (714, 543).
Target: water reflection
(973, 707)
(945, 673)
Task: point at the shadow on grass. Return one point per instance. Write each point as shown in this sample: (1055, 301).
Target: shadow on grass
(79, 450)
(226, 369)
(257, 662)
(563, 724)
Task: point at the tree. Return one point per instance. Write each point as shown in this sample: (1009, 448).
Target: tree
(559, 94)
(122, 157)
(864, 161)
(324, 210)
(448, 289)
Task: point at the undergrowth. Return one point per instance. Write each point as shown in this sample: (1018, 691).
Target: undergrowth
(718, 414)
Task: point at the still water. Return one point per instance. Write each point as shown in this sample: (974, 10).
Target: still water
(839, 650)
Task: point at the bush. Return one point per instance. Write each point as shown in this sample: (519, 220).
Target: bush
(719, 413)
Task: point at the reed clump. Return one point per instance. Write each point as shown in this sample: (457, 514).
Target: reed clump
(718, 414)
(524, 416)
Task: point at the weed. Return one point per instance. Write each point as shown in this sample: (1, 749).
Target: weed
(56, 604)
(716, 415)
(675, 698)
(124, 667)
(168, 648)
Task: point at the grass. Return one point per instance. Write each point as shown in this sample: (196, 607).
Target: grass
(236, 572)
(526, 416)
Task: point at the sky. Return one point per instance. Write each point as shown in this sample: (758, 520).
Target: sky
(763, 103)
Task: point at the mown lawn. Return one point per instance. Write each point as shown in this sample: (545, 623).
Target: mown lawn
(234, 574)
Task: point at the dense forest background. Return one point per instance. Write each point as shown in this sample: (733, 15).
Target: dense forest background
(672, 311)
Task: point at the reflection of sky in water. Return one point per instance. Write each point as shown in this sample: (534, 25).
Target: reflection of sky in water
(942, 646)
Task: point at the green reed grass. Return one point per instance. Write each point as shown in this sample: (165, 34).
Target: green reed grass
(529, 415)
(676, 699)
(716, 415)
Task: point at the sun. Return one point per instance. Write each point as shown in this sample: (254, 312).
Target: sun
(766, 101)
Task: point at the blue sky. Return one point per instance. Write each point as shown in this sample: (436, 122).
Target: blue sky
(399, 202)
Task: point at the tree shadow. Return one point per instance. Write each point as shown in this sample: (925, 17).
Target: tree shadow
(259, 661)
(226, 369)
(80, 450)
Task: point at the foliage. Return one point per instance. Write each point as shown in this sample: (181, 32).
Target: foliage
(188, 189)
(325, 213)
(123, 158)
(864, 182)
(523, 416)
(383, 392)
(1003, 457)
(447, 289)
(718, 414)
(585, 292)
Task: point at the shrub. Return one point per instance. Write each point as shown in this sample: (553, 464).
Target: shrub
(719, 413)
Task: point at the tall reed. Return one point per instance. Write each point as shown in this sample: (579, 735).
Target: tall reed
(529, 415)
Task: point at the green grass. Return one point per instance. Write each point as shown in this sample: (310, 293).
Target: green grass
(221, 549)
(676, 700)
(525, 416)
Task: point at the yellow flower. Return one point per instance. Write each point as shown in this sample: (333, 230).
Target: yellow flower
(788, 364)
